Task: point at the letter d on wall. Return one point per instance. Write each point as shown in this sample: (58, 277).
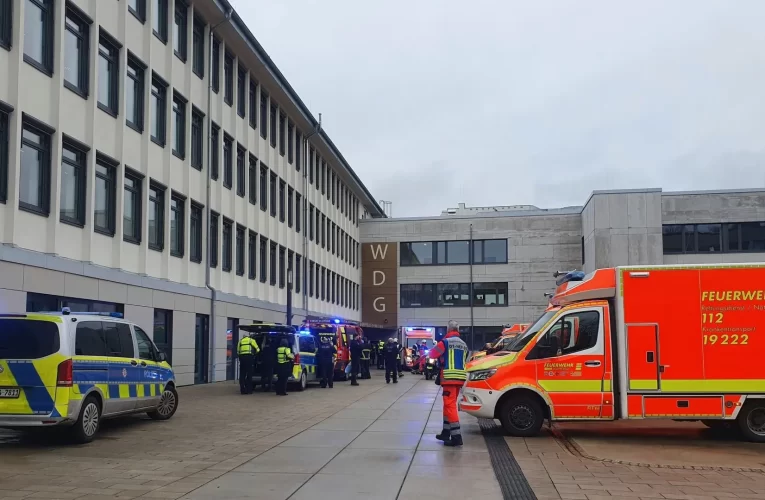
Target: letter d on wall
(378, 281)
(379, 305)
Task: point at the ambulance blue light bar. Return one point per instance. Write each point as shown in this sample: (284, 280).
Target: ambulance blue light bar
(569, 276)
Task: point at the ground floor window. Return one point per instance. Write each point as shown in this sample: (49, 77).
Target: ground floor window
(39, 302)
(201, 348)
(232, 339)
(163, 332)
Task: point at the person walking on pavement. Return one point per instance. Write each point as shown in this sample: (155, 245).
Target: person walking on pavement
(267, 362)
(246, 350)
(356, 349)
(381, 355)
(366, 353)
(325, 358)
(452, 353)
(284, 358)
(391, 365)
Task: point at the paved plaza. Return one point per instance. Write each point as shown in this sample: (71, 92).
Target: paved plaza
(374, 441)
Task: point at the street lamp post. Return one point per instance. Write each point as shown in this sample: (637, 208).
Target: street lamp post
(289, 296)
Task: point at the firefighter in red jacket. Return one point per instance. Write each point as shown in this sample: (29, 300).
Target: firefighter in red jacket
(452, 353)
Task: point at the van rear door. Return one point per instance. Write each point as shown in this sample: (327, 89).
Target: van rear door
(29, 363)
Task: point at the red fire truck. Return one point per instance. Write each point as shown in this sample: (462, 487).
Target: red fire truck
(342, 331)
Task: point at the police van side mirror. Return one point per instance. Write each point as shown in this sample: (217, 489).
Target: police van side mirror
(161, 357)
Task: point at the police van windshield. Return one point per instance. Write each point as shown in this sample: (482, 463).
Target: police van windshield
(524, 338)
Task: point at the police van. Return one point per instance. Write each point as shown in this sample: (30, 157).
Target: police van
(303, 344)
(74, 369)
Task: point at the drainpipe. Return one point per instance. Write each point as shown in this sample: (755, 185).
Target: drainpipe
(306, 222)
(470, 256)
(213, 291)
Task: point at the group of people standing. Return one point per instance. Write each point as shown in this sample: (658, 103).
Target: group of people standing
(272, 360)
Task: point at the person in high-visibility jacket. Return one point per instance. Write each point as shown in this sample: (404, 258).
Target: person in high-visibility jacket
(284, 359)
(246, 350)
(381, 355)
(452, 352)
(366, 354)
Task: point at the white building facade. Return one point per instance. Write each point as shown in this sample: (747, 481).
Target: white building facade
(114, 114)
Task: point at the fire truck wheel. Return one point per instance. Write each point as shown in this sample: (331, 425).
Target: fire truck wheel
(751, 420)
(521, 416)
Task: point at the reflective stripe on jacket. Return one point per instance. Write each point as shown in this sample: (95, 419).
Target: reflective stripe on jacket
(455, 359)
(365, 353)
(247, 346)
(284, 355)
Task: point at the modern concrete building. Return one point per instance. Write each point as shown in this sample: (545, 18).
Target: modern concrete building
(113, 116)
(425, 277)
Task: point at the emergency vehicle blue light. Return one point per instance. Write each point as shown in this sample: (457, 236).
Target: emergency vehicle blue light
(570, 276)
(305, 332)
(116, 315)
(337, 321)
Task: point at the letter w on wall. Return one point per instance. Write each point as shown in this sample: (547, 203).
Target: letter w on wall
(379, 252)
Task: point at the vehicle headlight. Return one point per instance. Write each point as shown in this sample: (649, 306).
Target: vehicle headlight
(482, 374)
(431, 361)
(408, 359)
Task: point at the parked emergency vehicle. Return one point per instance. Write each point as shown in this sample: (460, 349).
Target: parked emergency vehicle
(509, 332)
(683, 342)
(344, 332)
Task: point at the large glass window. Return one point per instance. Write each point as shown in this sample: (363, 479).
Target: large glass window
(177, 213)
(706, 238)
(490, 252)
(423, 253)
(240, 231)
(416, 253)
(252, 255)
(263, 259)
(272, 124)
(180, 28)
(253, 103)
(489, 294)
(228, 161)
(753, 236)
(108, 72)
(138, 9)
(158, 111)
(215, 69)
(282, 187)
(228, 229)
(240, 174)
(241, 91)
(105, 196)
(34, 179)
(272, 186)
(159, 16)
(163, 332)
(417, 295)
(272, 263)
(214, 232)
(6, 23)
(38, 34)
(195, 232)
(197, 137)
(263, 187)
(198, 48)
(228, 78)
(4, 141)
(156, 217)
(131, 217)
(215, 151)
(253, 180)
(76, 44)
(179, 119)
(263, 114)
(134, 93)
(73, 175)
(453, 294)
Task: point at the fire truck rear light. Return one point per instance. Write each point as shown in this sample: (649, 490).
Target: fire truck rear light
(641, 274)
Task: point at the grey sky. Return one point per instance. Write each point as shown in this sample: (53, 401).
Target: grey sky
(434, 102)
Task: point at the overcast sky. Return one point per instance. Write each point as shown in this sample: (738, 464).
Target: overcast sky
(436, 102)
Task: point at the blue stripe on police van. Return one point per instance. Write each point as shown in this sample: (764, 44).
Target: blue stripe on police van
(147, 390)
(114, 391)
(84, 388)
(157, 390)
(132, 391)
(29, 380)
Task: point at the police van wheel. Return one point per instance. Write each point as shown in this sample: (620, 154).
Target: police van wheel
(521, 417)
(751, 420)
(168, 404)
(87, 424)
(301, 385)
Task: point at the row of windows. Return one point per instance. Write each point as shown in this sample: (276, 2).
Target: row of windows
(711, 238)
(38, 51)
(331, 287)
(428, 253)
(330, 236)
(454, 295)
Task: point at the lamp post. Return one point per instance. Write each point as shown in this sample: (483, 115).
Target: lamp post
(289, 296)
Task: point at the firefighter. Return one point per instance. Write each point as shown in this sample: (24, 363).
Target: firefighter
(246, 350)
(390, 354)
(366, 353)
(357, 347)
(284, 358)
(381, 355)
(325, 360)
(452, 352)
(267, 362)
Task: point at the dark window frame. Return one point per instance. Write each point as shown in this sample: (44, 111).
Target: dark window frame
(160, 20)
(272, 252)
(252, 254)
(263, 114)
(272, 182)
(140, 11)
(135, 76)
(43, 148)
(299, 275)
(109, 50)
(290, 145)
(228, 161)
(215, 65)
(282, 267)
(136, 191)
(252, 180)
(83, 23)
(80, 164)
(298, 210)
(263, 259)
(4, 152)
(227, 245)
(159, 95)
(241, 91)
(240, 249)
(282, 200)
(197, 138)
(196, 235)
(48, 33)
(214, 238)
(215, 151)
(181, 22)
(272, 117)
(198, 47)
(241, 173)
(157, 194)
(731, 238)
(263, 187)
(282, 134)
(253, 103)
(228, 78)
(164, 319)
(290, 205)
(178, 210)
(111, 167)
(6, 24)
(179, 112)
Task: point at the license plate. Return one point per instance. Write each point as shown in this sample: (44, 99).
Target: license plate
(9, 393)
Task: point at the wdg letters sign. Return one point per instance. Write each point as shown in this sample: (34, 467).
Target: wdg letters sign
(379, 284)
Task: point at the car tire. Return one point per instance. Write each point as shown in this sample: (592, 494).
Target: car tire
(751, 420)
(89, 421)
(168, 405)
(521, 416)
(303, 383)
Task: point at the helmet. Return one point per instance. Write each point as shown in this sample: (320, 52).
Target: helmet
(324, 339)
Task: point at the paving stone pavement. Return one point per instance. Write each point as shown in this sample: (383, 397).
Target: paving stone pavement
(375, 440)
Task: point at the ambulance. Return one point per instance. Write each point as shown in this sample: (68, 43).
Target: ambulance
(658, 342)
(509, 332)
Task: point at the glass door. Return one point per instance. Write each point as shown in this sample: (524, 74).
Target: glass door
(201, 349)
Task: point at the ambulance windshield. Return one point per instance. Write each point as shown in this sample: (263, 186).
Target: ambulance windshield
(524, 338)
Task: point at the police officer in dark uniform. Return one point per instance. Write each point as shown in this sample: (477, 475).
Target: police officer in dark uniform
(325, 360)
(366, 353)
(246, 350)
(399, 362)
(267, 361)
(381, 355)
(284, 358)
(356, 349)
(391, 363)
